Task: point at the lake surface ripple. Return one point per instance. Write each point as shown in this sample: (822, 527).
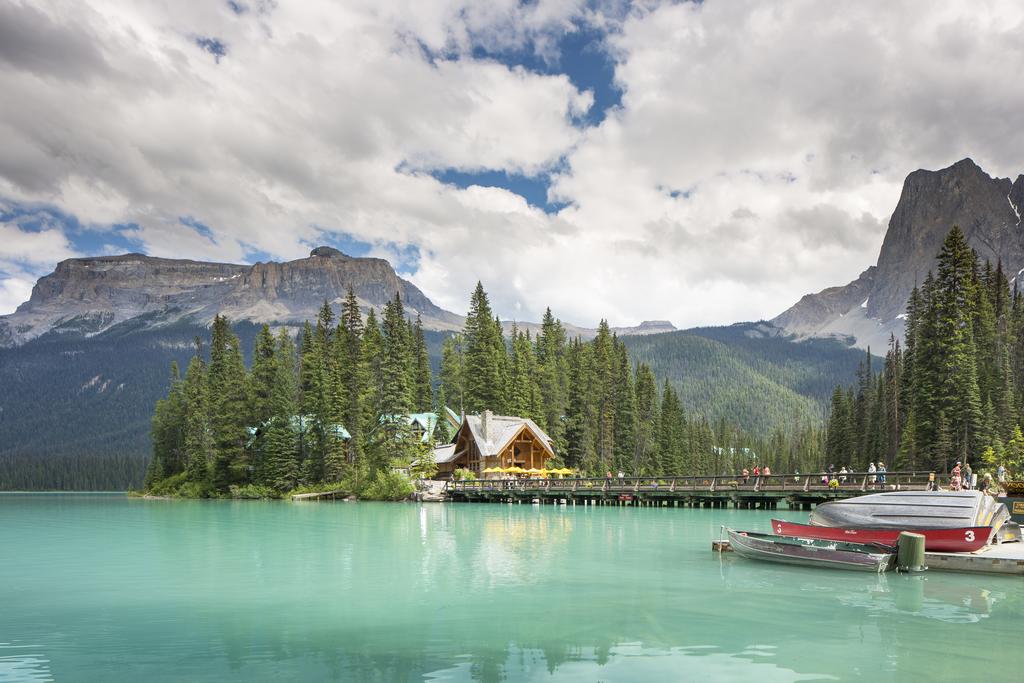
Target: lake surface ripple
(104, 588)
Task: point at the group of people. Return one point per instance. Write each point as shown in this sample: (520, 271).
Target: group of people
(758, 472)
(961, 478)
(876, 475)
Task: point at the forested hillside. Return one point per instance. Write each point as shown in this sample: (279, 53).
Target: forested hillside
(749, 374)
(75, 411)
(329, 412)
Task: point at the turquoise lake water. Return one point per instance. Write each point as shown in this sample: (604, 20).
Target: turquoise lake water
(103, 588)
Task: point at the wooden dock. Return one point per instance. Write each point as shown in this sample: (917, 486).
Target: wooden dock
(797, 491)
(321, 495)
(1005, 558)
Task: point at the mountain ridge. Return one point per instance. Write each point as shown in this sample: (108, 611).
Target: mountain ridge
(89, 295)
(870, 308)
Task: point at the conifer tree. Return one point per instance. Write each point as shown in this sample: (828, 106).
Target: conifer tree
(198, 442)
(484, 354)
(279, 467)
(625, 426)
(552, 377)
(229, 409)
(262, 377)
(580, 451)
(959, 397)
(645, 458)
(671, 434)
(423, 391)
(168, 432)
(352, 371)
(452, 385)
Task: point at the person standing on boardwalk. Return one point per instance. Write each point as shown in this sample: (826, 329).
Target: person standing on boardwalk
(881, 473)
(757, 471)
(871, 474)
(767, 471)
(954, 478)
(968, 477)
(746, 475)
(1001, 474)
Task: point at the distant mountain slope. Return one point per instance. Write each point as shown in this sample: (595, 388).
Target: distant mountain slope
(86, 296)
(750, 373)
(869, 309)
(65, 395)
(90, 295)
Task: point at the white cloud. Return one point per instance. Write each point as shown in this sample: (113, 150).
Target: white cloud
(757, 154)
(13, 291)
(41, 245)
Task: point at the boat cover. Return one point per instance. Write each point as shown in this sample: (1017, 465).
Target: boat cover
(913, 510)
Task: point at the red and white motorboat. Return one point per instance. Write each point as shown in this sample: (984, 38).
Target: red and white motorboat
(958, 522)
(956, 540)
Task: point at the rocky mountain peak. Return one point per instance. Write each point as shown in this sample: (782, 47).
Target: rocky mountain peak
(90, 295)
(869, 309)
(329, 252)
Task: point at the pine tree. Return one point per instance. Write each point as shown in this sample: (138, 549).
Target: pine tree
(671, 433)
(198, 442)
(958, 393)
(552, 377)
(168, 433)
(279, 467)
(229, 407)
(645, 458)
(423, 391)
(579, 453)
(452, 385)
(625, 427)
(484, 354)
(603, 397)
(262, 377)
(352, 371)
(396, 392)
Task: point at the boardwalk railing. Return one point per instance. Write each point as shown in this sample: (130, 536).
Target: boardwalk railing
(778, 484)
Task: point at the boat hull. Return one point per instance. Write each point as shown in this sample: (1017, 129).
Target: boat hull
(810, 552)
(959, 540)
(906, 510)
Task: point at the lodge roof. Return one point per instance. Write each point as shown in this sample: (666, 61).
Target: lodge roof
(426, 422)
(445, 453)
(501, 429)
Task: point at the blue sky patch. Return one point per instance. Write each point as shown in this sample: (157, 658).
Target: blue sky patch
(404, 258)
(85, 239)
(581, 55)
(533, 189)
(214, 46)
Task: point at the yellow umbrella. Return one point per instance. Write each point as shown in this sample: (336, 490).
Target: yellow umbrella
(515, 469)
(533, 470)
(492, 470)
(563, 471)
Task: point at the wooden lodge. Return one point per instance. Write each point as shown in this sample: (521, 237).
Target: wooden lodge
(488, 440)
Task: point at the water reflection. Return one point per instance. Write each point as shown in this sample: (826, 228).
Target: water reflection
(23, 663)
(247, 591)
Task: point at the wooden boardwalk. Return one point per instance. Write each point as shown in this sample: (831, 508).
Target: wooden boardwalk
(799, 491)
(320, 495)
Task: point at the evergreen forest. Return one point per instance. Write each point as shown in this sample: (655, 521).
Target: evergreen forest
(954, 391)
(327, 409)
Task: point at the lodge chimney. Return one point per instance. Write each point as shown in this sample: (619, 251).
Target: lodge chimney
(485, 424)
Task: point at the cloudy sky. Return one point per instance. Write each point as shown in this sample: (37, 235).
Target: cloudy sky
(703, 163)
